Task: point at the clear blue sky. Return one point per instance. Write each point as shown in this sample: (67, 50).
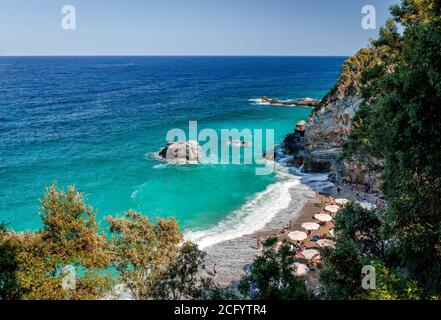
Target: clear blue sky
(188, 27)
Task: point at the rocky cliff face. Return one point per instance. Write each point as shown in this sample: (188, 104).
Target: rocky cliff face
(328, 126)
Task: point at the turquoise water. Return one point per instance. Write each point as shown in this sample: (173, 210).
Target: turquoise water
(96, 122)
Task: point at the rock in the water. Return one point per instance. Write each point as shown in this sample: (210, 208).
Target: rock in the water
(308, 102)
(181, 152)
(295, 142)
(300, 126)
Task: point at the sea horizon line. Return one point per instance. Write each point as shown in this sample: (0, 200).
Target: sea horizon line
(177, 55)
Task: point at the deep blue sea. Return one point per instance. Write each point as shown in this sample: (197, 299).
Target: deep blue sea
(97, 122)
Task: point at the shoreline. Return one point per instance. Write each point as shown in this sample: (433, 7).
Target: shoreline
(232, 255)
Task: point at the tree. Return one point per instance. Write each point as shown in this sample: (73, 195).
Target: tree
(9, 288)
(340, 271)
(271, 276)
(359, 240)
(182, 280)
(143, 251)
(32, 262)
(399, 123)
(393, 284)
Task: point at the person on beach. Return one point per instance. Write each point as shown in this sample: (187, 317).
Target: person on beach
(338, 190)
(259, 244)
(215, 270)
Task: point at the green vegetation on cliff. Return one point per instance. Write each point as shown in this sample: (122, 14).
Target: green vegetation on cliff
(399, 123)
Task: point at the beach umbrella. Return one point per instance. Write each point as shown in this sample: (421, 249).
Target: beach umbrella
(310, 253)
(367, 206)
(341, 201)
(297, 235)
(332, 208)
(300, 269)
(310, 226)
(326, 243)
(323, 217)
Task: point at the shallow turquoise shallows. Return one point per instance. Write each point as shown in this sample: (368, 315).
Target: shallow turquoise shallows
(96, 123)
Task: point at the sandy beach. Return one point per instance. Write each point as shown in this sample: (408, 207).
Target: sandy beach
(231, 256)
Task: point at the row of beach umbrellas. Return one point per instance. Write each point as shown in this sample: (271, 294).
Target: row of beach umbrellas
(301, 269)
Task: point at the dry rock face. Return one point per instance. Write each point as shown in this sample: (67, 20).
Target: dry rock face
(181, 152)
(328, 128)
(326, 131)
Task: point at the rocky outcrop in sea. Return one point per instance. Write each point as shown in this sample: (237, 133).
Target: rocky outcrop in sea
(307, 102)
(181, 152)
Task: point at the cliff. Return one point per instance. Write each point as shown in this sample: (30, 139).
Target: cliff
(327, 128)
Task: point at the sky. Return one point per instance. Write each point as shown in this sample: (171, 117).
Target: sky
(188, 27)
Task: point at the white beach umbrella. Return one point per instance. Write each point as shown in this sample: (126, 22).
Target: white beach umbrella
(323, 217)
(341, 201)
(326, 243)
(310, 253)
(310, 226)
(332, 208)
(367, 205)
(297, 235)
(300, 269)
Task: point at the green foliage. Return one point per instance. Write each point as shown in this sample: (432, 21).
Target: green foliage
(181, 281)
(399, 124)
(142, 251)
(9, 288)
(359, 238)
(340, 271)
(411, 12)
(271, 276)
(150, 261)
(31, 262)
(364, 228)
(392, 284)
(348, 82)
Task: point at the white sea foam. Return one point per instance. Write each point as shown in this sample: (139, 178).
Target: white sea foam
(159, 166)
(153, 156)
(264, 207)
(134, 194)
(251, 217)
